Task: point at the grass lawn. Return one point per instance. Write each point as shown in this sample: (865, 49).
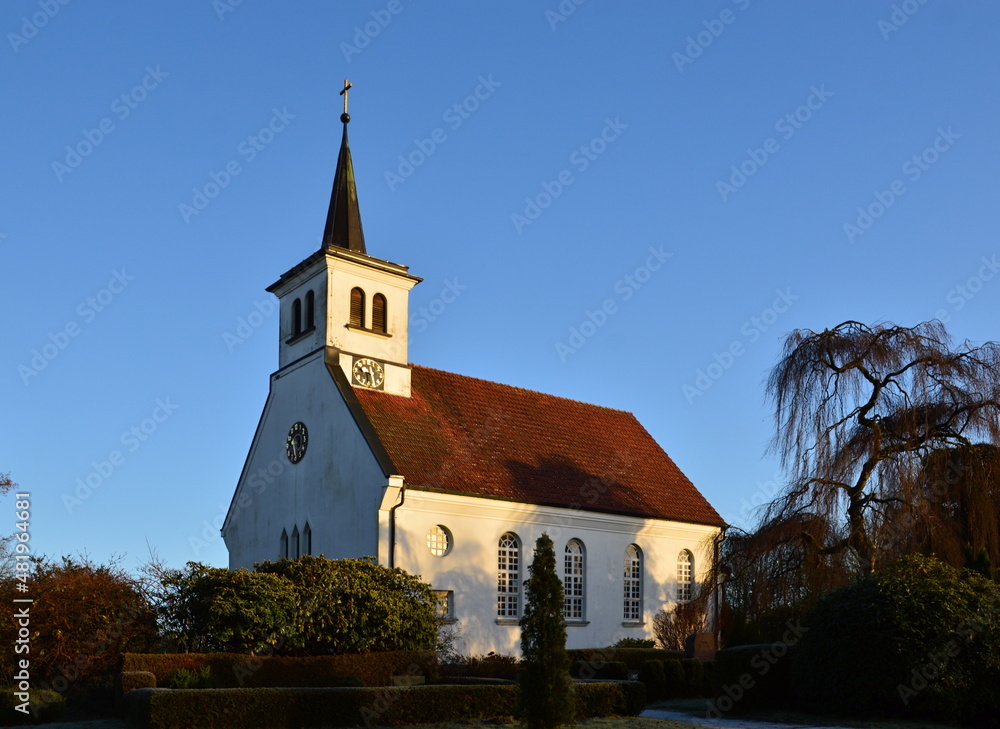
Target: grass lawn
(697, 708)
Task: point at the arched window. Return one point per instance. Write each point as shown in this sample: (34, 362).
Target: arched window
(685, 572)
(310, 310)
(378, 313)
(296, 317)
(573, 580)
(508, 576)
(283, 545)
(357, 307)
(307, 539)
(295, 543)
(633, 585)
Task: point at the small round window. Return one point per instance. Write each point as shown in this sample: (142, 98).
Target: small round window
(438, 540)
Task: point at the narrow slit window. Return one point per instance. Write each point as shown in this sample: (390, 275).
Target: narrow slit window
(378, 313)
(296, 317)
(685, 571)
(573, 580)
(633, 585)
(357, 307)
(508, 576)
(310, 310)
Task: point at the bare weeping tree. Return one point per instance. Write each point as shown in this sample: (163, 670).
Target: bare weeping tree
(860, 412)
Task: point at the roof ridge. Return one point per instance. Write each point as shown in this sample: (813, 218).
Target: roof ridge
(526, 390)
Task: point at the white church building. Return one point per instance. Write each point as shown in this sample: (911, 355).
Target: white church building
(360, 452)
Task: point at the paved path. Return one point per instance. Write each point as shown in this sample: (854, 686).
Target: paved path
(726, 723)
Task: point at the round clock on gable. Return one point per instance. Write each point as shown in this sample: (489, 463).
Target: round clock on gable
(295, 444)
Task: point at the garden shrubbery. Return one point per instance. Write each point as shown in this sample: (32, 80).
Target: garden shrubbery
(919, 638)
(284, 707)
(677, 678)
(232, 670)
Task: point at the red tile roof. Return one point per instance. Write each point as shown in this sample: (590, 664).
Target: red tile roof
(471, 436)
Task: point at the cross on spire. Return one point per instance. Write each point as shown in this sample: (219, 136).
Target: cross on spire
(345, 117)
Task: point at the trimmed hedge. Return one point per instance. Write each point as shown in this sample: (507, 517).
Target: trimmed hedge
(754, 677)
(631, 657)
(131, 680)
(288, 708)
(613, 671)
(45, 706)
(677, 678)
(239, 670)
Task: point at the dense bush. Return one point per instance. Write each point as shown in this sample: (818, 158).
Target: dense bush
(259, 708)
(44, 706)
(631, 657)
(231, 670)
(84, 616)
(492, 665)
(918, 638)
(677, 678)
(634, 643)
(355, 606)
(131, 680)
(611, 671)
(229, 610)
(753, 677)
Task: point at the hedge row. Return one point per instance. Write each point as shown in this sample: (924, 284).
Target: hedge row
(44, 706)
(611, 671)
(287, 708)
(238, 670)
(678, 678)
(631, 657)
(754, 677)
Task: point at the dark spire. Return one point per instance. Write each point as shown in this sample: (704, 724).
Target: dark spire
(343, 221)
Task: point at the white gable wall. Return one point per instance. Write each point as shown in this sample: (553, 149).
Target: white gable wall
(470, 567)
(337, 486)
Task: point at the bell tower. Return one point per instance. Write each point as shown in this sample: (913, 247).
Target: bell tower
(342, 299)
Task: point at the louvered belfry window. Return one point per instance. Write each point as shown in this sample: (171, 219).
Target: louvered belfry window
(378, 313)
(357, 307)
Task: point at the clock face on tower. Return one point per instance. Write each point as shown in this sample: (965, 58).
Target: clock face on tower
(368, 373)
(295, 444)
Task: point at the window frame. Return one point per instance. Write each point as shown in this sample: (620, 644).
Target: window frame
(507, 575)
(685, 569)
(575, 582)
(632, 585)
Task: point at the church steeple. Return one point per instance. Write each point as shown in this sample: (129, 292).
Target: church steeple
(343, 221)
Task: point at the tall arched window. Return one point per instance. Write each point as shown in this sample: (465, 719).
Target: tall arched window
(310, 310)
(283, 545)
(633, 585)
(307, 539)
(357, 307)
(508, 576)
(685, 572)
(296, 317)
(573, 580)
(295, 544)
(378, 313)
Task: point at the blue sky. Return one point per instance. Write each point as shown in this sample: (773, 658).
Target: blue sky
(637, 203)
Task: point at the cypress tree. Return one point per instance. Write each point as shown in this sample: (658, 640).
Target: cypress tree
(546, 688)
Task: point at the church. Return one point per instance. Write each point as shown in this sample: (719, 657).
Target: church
(359, 452)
